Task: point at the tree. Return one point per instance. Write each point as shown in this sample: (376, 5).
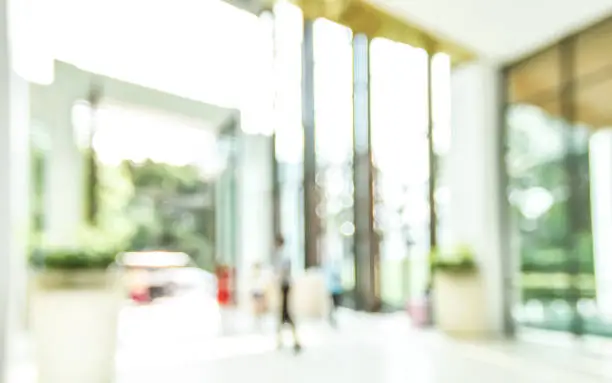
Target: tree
(171, 210)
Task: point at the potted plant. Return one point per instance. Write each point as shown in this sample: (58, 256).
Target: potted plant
(76, 298)
(458, 295)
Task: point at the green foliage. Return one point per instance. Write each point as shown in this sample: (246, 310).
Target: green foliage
(38, 160)
(95, 245)
(460, 260)
(92, 186)
(129, 207)
(95, 249)
(551, 247)
(165, 177)
(164, 214)
(113, 225)
(559, 285)
(74, 259)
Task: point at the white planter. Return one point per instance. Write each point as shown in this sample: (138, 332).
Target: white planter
(459, 303)
(74, 317)
(309, 296)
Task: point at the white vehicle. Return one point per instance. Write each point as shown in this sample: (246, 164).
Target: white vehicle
(156, 274)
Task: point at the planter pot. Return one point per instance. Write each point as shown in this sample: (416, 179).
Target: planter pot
(74, 315)
(309, 296)
(459, 303)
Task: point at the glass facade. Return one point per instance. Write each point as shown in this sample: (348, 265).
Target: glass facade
(400, 121)
(351, 125)
(559, 164)
(334, 144)
(288, 132)
(372, 129)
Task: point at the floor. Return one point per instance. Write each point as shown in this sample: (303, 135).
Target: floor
(363, 349)
(198, 343)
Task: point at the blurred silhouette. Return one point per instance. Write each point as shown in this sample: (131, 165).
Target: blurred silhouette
(258, 293)
(334, 285)
(286, 284)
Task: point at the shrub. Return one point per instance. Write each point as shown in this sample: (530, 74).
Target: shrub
(74, 259)
(460, 260)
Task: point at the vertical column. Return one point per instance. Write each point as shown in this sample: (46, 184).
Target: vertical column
(433, 220)
(233, 219)
(220, 211)
(600, 164)
(366, 244)
(276, 187)
(64, 178)
(577, 221)
(254, 180)
(476, 203)
(14, 195)
(276, 194)
(433, 217)
(66, 189)
(311, 220)
(226, 218)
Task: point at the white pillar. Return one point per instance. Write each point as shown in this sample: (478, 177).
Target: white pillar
(473, 167)
(292, 224)
(64, 179)
(14, 195)
(255, 207)
(66, 189)
(600, 159)
(224, 217)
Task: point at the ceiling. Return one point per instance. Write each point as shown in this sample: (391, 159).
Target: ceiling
(539, 80)
(501, 30)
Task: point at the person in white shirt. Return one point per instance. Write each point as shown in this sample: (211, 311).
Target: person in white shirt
(258, 291)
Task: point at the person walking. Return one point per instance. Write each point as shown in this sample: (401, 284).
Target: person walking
(285, 315)
(334, 285)
(258, 293)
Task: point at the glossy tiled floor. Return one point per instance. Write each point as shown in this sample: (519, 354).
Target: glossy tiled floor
(205, 345)
(363, 349)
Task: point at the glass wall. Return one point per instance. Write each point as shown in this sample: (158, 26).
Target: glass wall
(399, 115)
(400, 145)
(559, 162)
(289, 142)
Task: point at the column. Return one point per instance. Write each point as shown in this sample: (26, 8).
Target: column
(292, 213)
(433, 217)
(311, 219)
(600, 163)
(255, 204)
(221, 217)
(65, 198)
(226, 219)
(276, 187)
(14, 193)
(276, 192)
(365, 242)
(64, 171)
(474, 166)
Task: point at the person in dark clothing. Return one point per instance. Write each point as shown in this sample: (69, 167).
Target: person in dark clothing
(285, 315)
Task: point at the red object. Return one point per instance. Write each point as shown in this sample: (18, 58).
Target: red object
(224, 293)
(419, 312)
(140, 296)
